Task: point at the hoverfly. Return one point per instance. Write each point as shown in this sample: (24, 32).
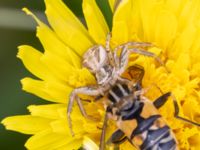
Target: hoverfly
(136, 116)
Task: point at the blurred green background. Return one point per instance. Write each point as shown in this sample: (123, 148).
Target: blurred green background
(16, 29)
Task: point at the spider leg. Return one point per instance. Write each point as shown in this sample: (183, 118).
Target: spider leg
(133, 47)
(159, 102)
(124, 57)
(149, 54)
(103, 133)
(133, 44)
(108, 42)
(74, 96)
(126, 45)
(108, 50)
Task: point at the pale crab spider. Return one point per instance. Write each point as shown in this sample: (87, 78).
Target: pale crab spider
(107, 67)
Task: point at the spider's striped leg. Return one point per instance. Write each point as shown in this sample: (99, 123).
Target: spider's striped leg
(126, 52)
(159, 102)
(91, 91)
(109, 51)
(149, 54)
(124, 47)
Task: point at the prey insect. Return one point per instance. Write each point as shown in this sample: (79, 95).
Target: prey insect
(137, 117)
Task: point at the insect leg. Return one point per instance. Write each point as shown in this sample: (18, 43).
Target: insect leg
(103, 134)
(160, 101)
(74, 96)
(163, 99)
(118, 137)
(176, 107)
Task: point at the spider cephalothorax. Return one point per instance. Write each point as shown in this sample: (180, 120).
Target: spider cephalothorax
(96, 59)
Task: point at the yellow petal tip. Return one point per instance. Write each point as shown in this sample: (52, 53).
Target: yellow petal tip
(20, 52)
(25, 83)
(28, 12)
(7, 123)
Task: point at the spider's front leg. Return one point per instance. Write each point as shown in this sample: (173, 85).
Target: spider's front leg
(91, 91)
(127, 51)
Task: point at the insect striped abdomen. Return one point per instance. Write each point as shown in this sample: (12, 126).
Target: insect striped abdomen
(139, 119)
(117, 92)
(146, 128)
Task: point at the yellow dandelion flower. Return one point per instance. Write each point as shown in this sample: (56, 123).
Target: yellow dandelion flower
(173, 26)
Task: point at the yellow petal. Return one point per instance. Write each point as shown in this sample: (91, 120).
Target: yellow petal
(96, 23)
(61, 127)
(89, 144)
(82, 77)
(195, 69)
(126, 22)
(182, 44)
(184, 134)
(148, 12)
(67, 26)
(192, 84)
(53, 44)
(193, 110)
(121, 19)
(165, 29)
(175, 6)
(58, 68)
(195, 142)
(188, 14)
(46, 139)
(64, 72)
(47, 111)
(127, 145)
(60, 92)
(31, 59)
(36, 87)
(194, 50)
(26, 124)
(73, 145)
